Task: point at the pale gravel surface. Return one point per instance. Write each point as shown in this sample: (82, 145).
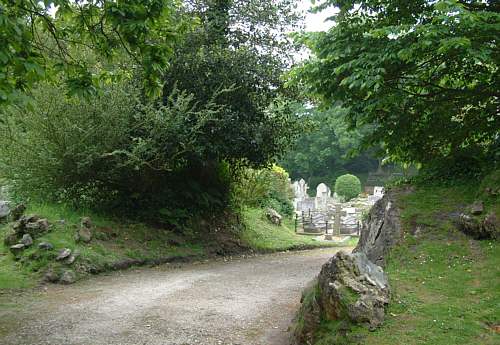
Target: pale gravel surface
(247, 301)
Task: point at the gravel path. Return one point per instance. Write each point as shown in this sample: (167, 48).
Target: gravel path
(248, 301)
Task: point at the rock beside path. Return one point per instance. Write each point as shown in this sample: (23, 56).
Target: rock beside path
(381, 231)
(67, 277)
(354, 288)
(349, 289)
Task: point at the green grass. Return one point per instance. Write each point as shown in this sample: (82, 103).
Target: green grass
(263, 236)
(445, 292)
(113, 241)
(445, 285)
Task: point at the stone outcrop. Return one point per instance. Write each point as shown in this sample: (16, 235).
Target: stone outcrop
(353, 288)
(349, 289)
(381, 231)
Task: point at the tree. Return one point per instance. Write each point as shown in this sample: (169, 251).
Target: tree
(423, 73)
(327, 150)
(42, 39)
(236, 57)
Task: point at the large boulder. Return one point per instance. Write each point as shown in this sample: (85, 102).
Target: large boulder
(273, 216)
(381, 231)
(350, 290)
(353, 288)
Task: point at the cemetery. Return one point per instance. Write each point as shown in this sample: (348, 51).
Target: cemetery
(327, 213)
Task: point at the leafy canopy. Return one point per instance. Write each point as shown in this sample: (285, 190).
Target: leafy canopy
(327, 150)
(42, 39)
(424, 73)
(240, 48)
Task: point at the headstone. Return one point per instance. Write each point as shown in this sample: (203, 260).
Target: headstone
(302, 189)
(322, 191)
(338, 219)
(378, 191)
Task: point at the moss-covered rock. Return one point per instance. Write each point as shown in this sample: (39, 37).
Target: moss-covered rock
(350, 290)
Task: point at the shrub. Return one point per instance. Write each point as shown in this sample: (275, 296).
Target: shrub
(114, 152)
(264, 188)
(348, 186)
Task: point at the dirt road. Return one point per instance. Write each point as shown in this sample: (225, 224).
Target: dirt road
(248, 301)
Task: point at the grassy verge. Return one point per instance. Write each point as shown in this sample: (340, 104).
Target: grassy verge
(120, 241)
(114, 241)
(445, 285)
(262, 236)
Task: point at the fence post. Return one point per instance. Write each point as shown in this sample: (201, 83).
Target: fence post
(296, 222)
(303, 227)
(326, 227)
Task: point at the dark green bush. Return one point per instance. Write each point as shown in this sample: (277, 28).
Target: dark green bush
(348, 186)
(113, 152)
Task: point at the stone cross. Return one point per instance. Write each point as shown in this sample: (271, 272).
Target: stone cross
(338, 219)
